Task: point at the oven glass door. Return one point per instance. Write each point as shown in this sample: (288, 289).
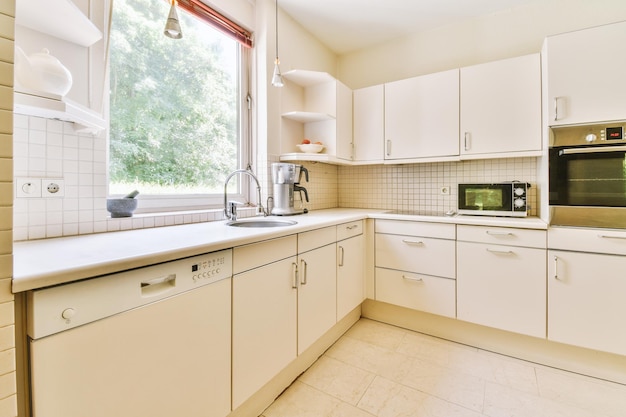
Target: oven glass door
(588, 176)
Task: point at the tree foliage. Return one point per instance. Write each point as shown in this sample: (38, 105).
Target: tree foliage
(173, 103)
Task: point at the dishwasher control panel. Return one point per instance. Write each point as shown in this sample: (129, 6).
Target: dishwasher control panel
(55, 309)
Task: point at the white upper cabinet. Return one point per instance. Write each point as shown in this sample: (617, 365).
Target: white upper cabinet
(585, 75)
(501, 108)
(369, 124)
(318, 107)
(422, 117)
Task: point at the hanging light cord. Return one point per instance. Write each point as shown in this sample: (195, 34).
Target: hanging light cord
(277, 31)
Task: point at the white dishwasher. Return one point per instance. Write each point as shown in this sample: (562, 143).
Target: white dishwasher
(153, 341)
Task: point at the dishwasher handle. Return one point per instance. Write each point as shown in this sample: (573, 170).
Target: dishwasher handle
(158, 286)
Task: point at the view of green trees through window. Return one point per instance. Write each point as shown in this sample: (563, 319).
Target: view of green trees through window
(174, 103)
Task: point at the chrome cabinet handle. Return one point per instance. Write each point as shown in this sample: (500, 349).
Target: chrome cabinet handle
(413, 242)
(556, 267)
(341, 254)
(466, 141)
(490, 233)
(294, 271)
(303, 272)
(388, 147)
(556, 108)
(354, 226)
(412, 279)
(501, 252)
(612, 237)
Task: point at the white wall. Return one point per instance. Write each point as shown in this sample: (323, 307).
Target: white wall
(513, 32)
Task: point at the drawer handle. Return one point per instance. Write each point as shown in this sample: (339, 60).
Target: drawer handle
(490, 233)
(501, 252)
(354, 226)
(412, 279)
(413, 242)
(612, 237)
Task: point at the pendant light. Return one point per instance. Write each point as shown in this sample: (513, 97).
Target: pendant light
(277, 77)
(172, 26)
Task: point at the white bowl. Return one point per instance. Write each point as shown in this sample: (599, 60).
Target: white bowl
(310, 147)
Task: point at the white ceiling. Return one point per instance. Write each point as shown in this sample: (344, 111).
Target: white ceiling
(349, 25)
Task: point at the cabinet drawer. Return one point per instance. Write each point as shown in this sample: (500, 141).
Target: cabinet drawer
(419, 292)
(502, 236)
(348, 230)
(316, 238)
(426, 229)
(262, 253)
(588, 240)
(416, 254)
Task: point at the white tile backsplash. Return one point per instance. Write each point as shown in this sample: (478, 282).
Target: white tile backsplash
(52, 149)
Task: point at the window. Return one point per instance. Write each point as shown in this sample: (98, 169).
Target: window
(175, 108)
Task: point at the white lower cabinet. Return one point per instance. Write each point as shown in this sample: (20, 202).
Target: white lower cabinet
(265, 301)
(416, 265)
(317, 286)
(586, 290)
(350, 267)
(501, 283)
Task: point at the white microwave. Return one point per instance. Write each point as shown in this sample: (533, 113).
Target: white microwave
(495, 199)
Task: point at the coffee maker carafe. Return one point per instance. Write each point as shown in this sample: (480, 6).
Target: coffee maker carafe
(286, 178)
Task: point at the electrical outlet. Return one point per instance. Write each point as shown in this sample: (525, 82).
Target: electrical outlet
(445, 190)
(27, 187)
(52, 187)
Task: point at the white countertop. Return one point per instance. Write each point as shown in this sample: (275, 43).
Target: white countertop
(46, 262)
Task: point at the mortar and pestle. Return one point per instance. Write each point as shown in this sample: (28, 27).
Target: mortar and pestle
(122, 207)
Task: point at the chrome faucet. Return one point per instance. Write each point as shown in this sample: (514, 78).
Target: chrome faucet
(230, 207)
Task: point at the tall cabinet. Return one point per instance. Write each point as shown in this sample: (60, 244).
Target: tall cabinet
(585, 75)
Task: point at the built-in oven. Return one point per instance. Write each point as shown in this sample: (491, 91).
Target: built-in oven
(587, 180)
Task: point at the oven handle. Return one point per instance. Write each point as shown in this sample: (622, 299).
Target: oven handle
(571, 151)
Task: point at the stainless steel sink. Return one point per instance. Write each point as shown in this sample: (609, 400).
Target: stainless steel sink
(261, 223)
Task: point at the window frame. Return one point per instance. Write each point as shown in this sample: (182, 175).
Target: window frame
(164, 203)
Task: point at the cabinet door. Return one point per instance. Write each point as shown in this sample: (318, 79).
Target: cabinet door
(317, 294)
(501, 106)
(585, 75)
(502, 287)
(369, 131)
(586, 300)
(350, 274)
(264, 325)
(343, 134)
(422, 116)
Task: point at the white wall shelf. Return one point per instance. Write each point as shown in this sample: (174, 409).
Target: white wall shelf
(307, 117)
(59, 18)
(60, 108)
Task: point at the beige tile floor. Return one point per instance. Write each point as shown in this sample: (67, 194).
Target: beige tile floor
(380, 370)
